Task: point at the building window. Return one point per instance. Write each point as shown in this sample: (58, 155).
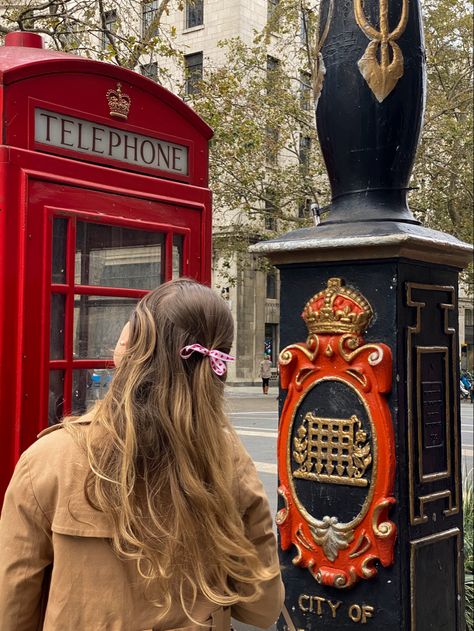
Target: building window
(149, 10)
(193, 70)
(150, 71)
(194, 13)
(305, 90)
(271, 286)
(305, 150)
(272, 144)
(467, 348)
(271, 341)
(271, 8)
(270, 222)
(272, 132)
(111, 24)
(469, 326)
(272, 66)
(270, 211)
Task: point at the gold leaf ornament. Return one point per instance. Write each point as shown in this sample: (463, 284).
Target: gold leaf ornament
(382, 76)
(361, 456)
(300, 445)
(331, 536)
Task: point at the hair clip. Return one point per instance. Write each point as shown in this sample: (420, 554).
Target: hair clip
(218, 359)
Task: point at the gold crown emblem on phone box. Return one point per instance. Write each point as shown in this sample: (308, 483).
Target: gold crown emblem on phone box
(119, 104)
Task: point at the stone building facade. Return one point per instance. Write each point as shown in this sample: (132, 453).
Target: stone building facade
(253, 297)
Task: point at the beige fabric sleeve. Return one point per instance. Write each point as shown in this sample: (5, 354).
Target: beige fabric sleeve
(257, 518)
(25, 554)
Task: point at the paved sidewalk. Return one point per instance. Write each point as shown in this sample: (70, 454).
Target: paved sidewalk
(251, 391)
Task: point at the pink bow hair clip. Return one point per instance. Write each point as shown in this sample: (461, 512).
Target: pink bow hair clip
(217, 358)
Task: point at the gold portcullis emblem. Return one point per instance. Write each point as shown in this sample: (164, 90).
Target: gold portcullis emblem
(119, 104)
(381, 76)
(332, 450)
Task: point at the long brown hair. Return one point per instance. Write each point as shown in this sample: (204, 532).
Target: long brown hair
(161, 457)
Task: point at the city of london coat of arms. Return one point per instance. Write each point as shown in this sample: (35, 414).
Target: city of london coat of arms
(336, 449)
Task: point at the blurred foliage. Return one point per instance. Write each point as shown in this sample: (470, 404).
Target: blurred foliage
(443, 175)
(99, 29)
(265, 165)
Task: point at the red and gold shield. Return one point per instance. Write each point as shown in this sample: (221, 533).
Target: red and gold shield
(336, 460)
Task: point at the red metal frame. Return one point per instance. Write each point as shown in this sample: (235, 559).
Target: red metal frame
(38, 183)
(70, 290)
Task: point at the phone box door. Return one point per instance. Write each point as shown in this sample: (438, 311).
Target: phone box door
(101, 253)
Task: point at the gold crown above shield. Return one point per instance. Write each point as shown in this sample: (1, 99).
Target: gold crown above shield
(119, 104)
(337, 309)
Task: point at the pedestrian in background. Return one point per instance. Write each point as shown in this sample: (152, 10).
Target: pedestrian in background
(467, 385)
(145, 513)
(265, 372)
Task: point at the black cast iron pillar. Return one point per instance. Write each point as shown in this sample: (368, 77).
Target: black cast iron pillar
(370, 112)
(369, 453)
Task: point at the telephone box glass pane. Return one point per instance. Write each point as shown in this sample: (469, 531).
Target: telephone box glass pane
(56, 396)
(56, 341)
(113, 256)
(88, 386)
(98, 322)
(59, 250)
(177, 256)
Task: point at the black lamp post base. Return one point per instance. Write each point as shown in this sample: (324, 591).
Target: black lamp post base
(370, 206)
(415, 315)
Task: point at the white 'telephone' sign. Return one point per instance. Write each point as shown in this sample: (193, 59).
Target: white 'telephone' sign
(93, 139)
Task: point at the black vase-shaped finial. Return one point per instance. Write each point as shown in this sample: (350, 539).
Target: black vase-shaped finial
(370, 110)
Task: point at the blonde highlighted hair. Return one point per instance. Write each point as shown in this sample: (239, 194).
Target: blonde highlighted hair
(160, 450)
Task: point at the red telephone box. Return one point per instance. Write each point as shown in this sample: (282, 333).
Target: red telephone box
(104, 195)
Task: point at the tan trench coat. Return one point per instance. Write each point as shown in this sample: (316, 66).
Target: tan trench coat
(45, 517)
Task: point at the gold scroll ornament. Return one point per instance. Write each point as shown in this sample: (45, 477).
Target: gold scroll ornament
(382, 76)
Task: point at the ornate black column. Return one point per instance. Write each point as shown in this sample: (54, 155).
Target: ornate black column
(370, 112)
(370, 513)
